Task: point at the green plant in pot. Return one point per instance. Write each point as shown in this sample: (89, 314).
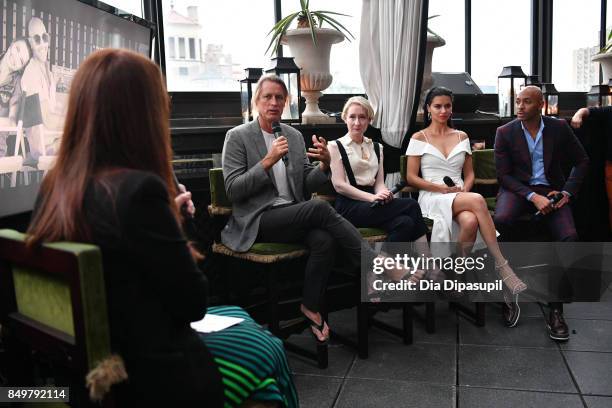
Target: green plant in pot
(306, 18)
(310, 46)
(429, 30)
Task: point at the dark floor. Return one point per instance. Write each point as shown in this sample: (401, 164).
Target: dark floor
(462, 365)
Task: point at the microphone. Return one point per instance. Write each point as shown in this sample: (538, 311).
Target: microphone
(448, 181)
(554, 200)
(396, 189)
(276, 129)
(184, 212)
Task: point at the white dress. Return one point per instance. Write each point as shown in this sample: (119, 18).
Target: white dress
(438, 206)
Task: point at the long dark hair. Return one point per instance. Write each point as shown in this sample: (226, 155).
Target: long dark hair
(117, 119)
(432, 93)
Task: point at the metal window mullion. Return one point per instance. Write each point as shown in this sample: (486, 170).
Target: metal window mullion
(468, 36)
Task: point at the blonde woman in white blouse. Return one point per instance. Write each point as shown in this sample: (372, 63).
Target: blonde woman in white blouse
(357, 176)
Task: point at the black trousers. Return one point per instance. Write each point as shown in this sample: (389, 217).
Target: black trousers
(316, 224)
(401, 218)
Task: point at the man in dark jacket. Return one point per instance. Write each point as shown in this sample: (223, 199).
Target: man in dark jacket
(529, 152)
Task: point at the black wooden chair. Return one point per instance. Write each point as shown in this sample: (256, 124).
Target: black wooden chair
(366, 312)
(482, 172)
(276, 257)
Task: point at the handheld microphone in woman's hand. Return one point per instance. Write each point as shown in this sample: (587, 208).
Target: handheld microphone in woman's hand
(554, 200)
(276, 129)
(448, 181)
(396, 189)
(184, 211)
(188, 219)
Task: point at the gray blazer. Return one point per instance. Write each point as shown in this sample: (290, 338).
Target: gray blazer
(251, 189)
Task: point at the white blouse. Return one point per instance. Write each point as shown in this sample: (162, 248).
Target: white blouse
(362, 159)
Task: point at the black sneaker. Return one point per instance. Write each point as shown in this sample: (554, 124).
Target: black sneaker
(557, 328)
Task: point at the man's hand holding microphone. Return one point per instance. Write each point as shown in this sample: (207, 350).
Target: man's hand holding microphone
(553, 201)
(279, 149)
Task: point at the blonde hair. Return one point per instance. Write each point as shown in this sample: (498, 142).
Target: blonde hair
(266, 78)
(361, 101)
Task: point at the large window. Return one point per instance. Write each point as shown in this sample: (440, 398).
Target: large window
(181, 43)
(344, 60)
(450, 25)
(501, 36)
(192, 53)
(171, 48)
(575, 41)
(215, 56)
(609, 15)
(231, 36)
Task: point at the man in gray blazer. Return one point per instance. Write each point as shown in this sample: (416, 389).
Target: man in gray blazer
(267, 178)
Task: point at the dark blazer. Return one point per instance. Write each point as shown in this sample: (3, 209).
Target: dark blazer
(513, 161)
(251, 189)
(154, 290)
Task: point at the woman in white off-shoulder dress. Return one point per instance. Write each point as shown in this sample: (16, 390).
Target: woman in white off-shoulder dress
(458, 214)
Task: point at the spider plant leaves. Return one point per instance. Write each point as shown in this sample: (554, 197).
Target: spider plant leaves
(315, 19)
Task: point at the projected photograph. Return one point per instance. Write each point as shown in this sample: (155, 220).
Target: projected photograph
(42, 44)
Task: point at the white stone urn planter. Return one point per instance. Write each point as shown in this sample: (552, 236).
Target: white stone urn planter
(605, 60)
(314, 62)
(433, 42)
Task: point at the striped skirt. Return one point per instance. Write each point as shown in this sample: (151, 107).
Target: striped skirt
(252, 362)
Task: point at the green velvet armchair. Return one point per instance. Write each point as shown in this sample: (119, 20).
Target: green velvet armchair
(483, 162)
(53, 301)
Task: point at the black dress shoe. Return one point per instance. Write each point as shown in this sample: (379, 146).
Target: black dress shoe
(557, 328)
(511, 310)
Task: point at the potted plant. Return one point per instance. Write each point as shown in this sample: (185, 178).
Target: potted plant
(310, 45)
(433, 41)
(604, 57)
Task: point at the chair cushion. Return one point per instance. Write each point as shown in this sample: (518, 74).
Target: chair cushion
(403, 166)
(371, 232)
(484, 164)
(274, 248)
(218, 195)
(264, 252)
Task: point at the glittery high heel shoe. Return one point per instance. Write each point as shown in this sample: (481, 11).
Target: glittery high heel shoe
(512, 282)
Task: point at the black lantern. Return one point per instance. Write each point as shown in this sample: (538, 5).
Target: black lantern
(246, 92)
(599, 95)
(285, 68)
(551, 100)
(509, 83)
(533, 80)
